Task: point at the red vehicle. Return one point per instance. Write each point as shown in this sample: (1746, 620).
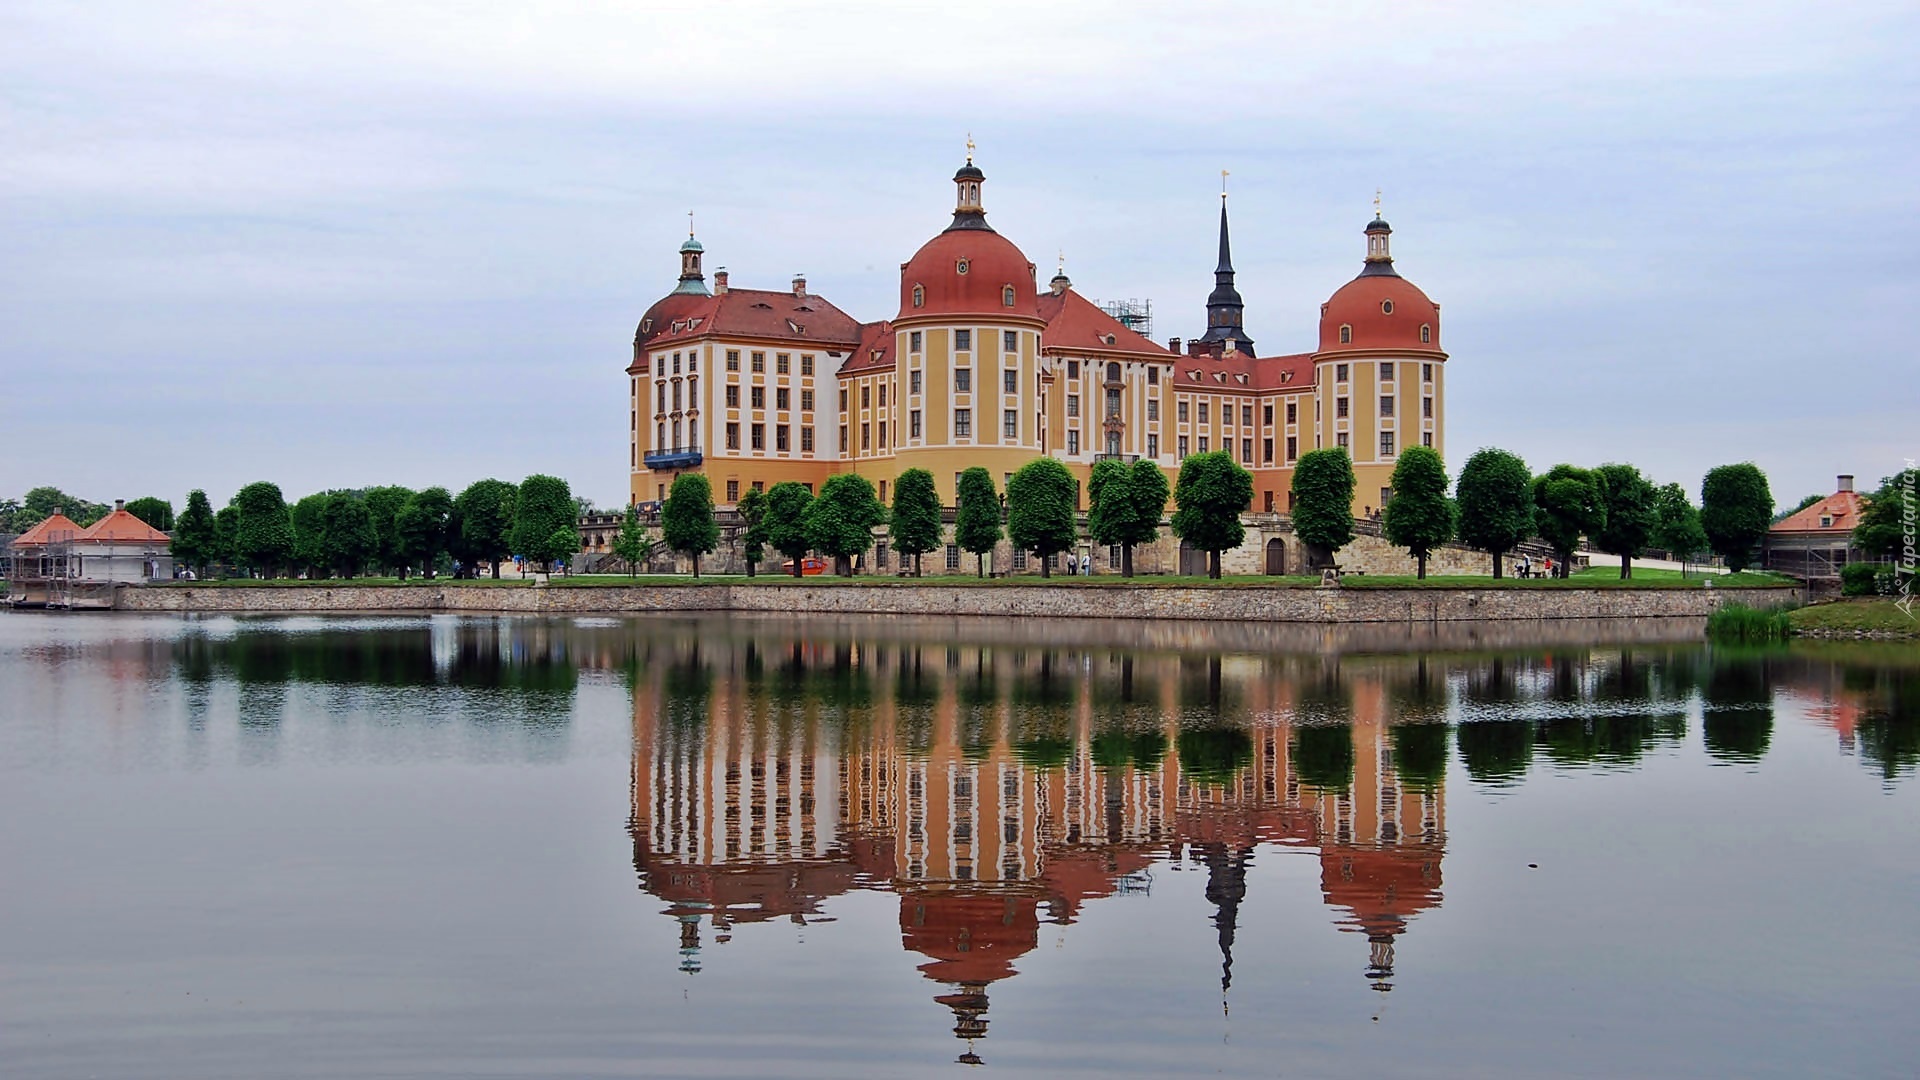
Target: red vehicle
(808, 567)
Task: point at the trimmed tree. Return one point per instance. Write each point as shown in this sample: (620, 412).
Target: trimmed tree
(562, 546)
(1569, 502)
(632, 544)
(1495, 498)
(1040, 500)
(153, 510)
(383, 507)
(486, 511)
(686, 518)
(348, 541)
(263, 527)
(1323, 503)
(914, 526)
(1736, 507)
(752, 508)
(785, 523)
(422, 524)
(1212, 491)
(226, 526)
(1125, 506)
(1418, 515)
(1631, 514)
(839, 524)
(193, 539)
(544, 506)
(1676, 526)
(976, 520)
(310, 533)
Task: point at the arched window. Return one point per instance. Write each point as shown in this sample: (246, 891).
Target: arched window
(1426, 333)
(919, 296)
(1113, 372)
(660, 437)
(1006, 295)
(1346, 335)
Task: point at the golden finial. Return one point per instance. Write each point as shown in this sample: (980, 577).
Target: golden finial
(1063, 262)
(969, 147)
(1223, 185)
(1376, 202)
(689, 224)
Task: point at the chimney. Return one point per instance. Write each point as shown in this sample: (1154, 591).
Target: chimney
(1173, 345)
(1846, 481)
(720, 281)
(799, 284)
(121, 504)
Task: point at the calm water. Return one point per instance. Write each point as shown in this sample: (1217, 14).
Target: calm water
(440, 846)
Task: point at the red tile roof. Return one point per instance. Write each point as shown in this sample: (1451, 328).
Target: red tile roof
(804, 319)
(1239, 372)
(1077, 325)
(56, 529)
(121, 527)
(1840, 509)
(874, 352)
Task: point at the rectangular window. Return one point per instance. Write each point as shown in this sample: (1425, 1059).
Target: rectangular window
(913, 382)
(963, 341)
(1339, 373)
(806, 401)
(1073, 404)
(806, 363)
(1183, 447)
(1010, 340)
(1246, 416)
(1266, 415)
(733, 436)
(781, 437)
(1426, 372)
(1010, 381)
(1386, 444)
(1266, 451)
(1203, 444)
(676, 363)
(866, 396)
(913, 341)
(661, 397)
(963, 423)
(1153, 376)
(913, 423)
(693, 361)
(1386, 496)
(759, 361)
(1340, 406)
(806, 440)
(783, 398)
(866, 436)
(1293, 412)
(733, 359)
(1011, 422)
(883, 434)
(883, 395)
(1293, 447)
(1113, 402)
(953, 556)
(1153, 446)
(1073, 369)
(782, 363)
(759, 397)
(733, 491)
(1386, 371)
(1426, 407)
(1020, 559)
(1073, 442)
(1246, 451)
(733, 396)
(963, 380)
(1340, 440)
(1180, 410)
(758, 433)
(1153, 408)
(1203, 412)
(1386, 404)
(843, 436)
(676, 397)
(1426, 439)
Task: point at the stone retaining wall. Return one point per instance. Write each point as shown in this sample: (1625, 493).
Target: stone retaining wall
(1246, 603)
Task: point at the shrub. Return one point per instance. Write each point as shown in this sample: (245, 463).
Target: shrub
(1859, 579)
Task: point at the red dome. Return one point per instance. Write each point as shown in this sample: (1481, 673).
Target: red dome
(1385, 311)
(991, 263)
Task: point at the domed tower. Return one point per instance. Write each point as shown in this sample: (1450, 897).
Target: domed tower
(965, 381)
(687, 297)
(1378, 374)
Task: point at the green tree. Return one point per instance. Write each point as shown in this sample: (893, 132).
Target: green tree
(194, 544)
(839, 524)
(263, 527)
(1418, 515)
(422, 524)
(752, 508)
(1887, 521)
(1632, 512)
(562, 546)
(914, 526)
(310, 533)
(1322, 499)
(383, 506)
(1125, 506)
(1495, 497)
(1212, 491)
(153, 510)
(486, 510)
(544, 506)
(42, 502)
(686, 519)
(1789, 511)
(1677, 523)
(1040, 500)
(349, 541)
(1735, 509)
(976, 520)
(1569, 502)
(632, 544)
(226, 530)
(785, 523)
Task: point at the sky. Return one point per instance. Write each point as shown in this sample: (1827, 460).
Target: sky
(344, 244)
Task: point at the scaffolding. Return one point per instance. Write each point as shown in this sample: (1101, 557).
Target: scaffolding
(1135, 315)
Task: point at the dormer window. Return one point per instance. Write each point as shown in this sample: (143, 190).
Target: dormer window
(1006, 295)
(1426, 333)
(919, 296)
(1346, 335)
(1826, 521)
(1386, 307)
(1110, 339)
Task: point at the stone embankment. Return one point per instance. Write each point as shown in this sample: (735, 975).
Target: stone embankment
(1247, 603)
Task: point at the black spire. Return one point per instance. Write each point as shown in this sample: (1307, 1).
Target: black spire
(1224, 307)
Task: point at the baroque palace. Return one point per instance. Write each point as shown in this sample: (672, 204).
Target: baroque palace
(980, 366)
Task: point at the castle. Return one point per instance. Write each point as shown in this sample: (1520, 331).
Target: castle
(981, 366)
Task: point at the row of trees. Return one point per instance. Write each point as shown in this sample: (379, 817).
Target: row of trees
(392, 529)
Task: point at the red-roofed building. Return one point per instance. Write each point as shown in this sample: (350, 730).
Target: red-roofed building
(1817, 540)
(59, 564)
(981, 367)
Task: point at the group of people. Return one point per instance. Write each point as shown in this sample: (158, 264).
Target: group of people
(1526, 567)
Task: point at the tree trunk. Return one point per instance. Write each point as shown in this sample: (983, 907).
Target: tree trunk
(750, 565)
(982, 556)
(1626, 567)
(1126, 560)
(1213, 565)
(916, 564)
(496, 569)
(696, 564)
(1496, 565)
(1421, 574)
(1046, 570)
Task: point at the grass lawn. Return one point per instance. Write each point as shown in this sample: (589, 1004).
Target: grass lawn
(1873, 614)
(334, 583)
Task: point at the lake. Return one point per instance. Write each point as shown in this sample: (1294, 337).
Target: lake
(436, 846)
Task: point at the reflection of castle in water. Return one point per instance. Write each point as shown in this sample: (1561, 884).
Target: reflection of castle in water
(994, 790)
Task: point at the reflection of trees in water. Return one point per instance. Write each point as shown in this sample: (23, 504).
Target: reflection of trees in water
(1042, 717)
(1420, 754)
(1323, 756)
(1889, 732)
(1495, 752)
(1607, 739)
(1737, 710)
(1203, 690)
(1212, 755)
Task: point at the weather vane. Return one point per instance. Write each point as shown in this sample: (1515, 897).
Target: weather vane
(969, 147)
(1223, 185)
(1376, 202)
(1063, 260)
(689, 224)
